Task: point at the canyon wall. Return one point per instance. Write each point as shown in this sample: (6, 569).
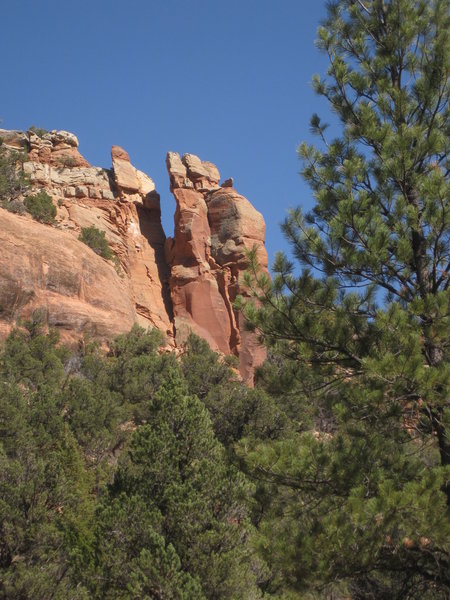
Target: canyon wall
(179, 285)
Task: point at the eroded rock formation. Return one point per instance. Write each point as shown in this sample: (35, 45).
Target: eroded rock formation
(214, 228)
(182, 284)
(47, 270)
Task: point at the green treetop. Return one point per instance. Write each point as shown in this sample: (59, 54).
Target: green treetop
(368, 315)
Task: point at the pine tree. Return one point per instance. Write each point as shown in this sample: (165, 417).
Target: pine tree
(191, 539)
(366, 321)
(235, 410)
(45, 499)
(13, 182)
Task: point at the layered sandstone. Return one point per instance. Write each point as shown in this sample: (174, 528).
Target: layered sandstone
(181, 285)
(215, 227)
(58, 148)
(74, 290)
(130, 216)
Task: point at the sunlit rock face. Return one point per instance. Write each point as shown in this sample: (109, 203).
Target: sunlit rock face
(75, 291)
(215, 227)
(180, 285)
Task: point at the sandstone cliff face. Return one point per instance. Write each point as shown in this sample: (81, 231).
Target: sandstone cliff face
(214, 229)
(75, 290)
(183, 284)
(123, 203)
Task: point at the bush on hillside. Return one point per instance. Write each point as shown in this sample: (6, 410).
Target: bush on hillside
(39, 131)
(67, 162)
(95, 239)
(15, 206)
(13, 181)
(41, 207)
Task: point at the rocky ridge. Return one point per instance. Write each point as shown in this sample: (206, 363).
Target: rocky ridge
(180, 284)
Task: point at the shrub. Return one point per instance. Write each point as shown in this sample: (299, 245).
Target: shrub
(13, 181)
(39, 131)
(15, 206)
(67, 161)
(95, 239)
(41, 207)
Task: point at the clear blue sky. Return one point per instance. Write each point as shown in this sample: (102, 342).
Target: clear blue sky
(227, 80)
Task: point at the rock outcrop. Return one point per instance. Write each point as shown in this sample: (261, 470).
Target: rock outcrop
(128, 213)
(215, 227)
(182, 284)
(58, 148)
(47, 270)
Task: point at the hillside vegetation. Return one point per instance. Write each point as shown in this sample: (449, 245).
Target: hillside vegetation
(114, 482)
(135, 474)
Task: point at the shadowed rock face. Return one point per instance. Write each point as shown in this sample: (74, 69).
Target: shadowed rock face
(182, 284)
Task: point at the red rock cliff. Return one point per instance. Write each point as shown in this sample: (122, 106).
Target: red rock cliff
(183, 284)
(214, 229)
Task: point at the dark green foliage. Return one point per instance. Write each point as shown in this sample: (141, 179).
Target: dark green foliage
(135, 561)
(94, 414)
(33, 359)
(137, 369)
(13, 182)
(360, 338)
(39, 131)
(202, 368)
(41, 207)
(15, 206)
(95, 239)
(44, 489)
(112, 482)
(235, 410)
(67, 162)
(176, 465)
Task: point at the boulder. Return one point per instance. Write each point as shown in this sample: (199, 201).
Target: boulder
(236, 228)
(14, 140)
(129, 180)
(203, 174)
(124, 173)
(62, 137)
(177, 172)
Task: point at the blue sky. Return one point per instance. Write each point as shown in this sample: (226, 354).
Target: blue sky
(226, 80)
